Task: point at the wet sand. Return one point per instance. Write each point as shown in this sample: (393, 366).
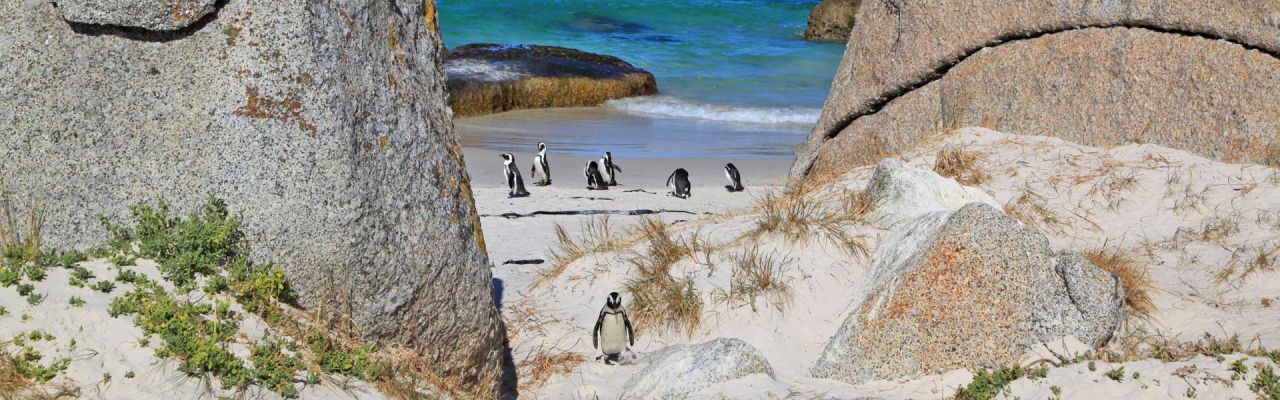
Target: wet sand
(587, 132)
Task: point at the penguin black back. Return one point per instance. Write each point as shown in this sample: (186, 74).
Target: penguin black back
(515, 183)
(678, 181)
(735, 179)
(595, 181)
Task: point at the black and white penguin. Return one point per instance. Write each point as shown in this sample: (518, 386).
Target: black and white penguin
(735, 179)
(594, 180)
(608, 169)
(679, 184)
(541, 170)
(613, 330)
(514, 181)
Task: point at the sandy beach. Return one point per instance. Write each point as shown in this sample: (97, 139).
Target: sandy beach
(821, 274)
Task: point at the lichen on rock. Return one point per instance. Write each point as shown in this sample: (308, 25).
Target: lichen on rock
(973, 288)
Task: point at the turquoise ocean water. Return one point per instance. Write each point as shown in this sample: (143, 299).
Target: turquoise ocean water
(733, 71)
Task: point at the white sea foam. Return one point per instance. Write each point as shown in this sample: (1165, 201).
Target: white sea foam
(674, 107)
(481, 70)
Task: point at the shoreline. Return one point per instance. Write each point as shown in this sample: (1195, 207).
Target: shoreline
(485, 168)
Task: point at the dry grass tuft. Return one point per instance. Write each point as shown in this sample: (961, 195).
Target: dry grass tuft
(19, 237)
(659, 299)
(1135, 279)
(539, 367)
(962, 165)
(1264, 257)
(1219, 228)
(597, 237)
(758, 275)
(12, 382)
(1030, 208)
(797, 216)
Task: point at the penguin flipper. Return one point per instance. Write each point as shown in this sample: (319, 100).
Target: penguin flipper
(595, 332)
(631, 335)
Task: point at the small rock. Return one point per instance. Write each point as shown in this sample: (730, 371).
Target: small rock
(902, 192)
(679, 370)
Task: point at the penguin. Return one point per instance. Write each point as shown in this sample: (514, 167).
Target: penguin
(541, 169)
(594, 180)
(514, 181)
(613, 330)
(679, 184)
(735, 179)
(608, 169)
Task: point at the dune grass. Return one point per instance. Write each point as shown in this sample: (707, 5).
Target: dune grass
(757, 275)
(597, 237)
(798, 216)
(1134, 278)
(658, 297)
(962, 165)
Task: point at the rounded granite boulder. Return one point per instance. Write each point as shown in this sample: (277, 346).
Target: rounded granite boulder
(972, 288)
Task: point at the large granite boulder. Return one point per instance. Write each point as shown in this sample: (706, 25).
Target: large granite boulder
(1188, 74)
(156, 15)
(492, 78)
(323, 123)
(972, 288)
(679, 370)
(831, 20)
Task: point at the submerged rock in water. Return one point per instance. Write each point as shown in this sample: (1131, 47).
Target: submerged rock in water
(677, 371)
(596, 23)
(491, 78)
(972, 288)
(155, 15)
(831, 20)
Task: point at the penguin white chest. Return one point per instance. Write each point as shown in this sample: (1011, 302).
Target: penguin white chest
(613, 334)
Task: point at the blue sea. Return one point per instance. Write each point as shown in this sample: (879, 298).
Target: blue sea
(735, 78)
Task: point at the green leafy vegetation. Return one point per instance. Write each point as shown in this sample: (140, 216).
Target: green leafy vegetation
(127, 276)
(986, 385)
(1116, 374)
(274, 368)
(29, 363)
(358, 362)
(1266, 384)
(104, 286)
(209, 245)
(1238, 370)
(184, 247)
(76, 301)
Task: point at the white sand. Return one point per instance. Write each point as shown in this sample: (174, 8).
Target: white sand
(1084, 187)
(113, 346)
(1169, 219)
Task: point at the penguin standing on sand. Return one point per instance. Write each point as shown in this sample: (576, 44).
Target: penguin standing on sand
(613, 331)
(735, 179)
(541, 170)
(514, 181)
(679, 184)
(609, 169)
(595, 181)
